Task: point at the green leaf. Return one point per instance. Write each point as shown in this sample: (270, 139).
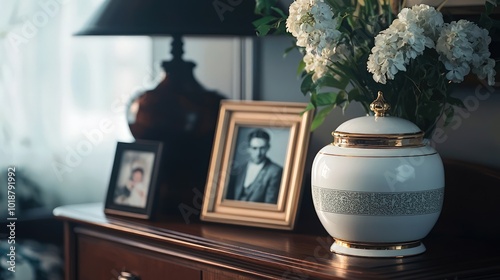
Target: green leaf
(428, 93)
(263, 20)
(263, 30)
(263, 7)
(449, 112)
(429, 111)
(355, 95)
(289, 49)
(327, 98)
(265, 24)
(485, 21)
(320, 117)
(342, 100)
(490, 5)
(301, 67)
(279, 11)
(280, 27)
(336, 82)
(312, 99)
(456, 102)
(341, 97)
(307, 84)
(309, 107)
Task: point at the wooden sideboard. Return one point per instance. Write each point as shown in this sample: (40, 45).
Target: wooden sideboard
(463, 245)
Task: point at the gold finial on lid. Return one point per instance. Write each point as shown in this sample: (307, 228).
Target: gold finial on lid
(380, 106)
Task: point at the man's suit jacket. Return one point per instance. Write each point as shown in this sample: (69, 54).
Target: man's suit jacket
(265, 187)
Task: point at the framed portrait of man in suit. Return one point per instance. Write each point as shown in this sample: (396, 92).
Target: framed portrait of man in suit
(257, 164)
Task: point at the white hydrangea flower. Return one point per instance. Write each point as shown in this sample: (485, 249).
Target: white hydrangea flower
(317, 64)
(486, 71)
(313, 23)
(425, 17)
(396, 46)
(462, 46)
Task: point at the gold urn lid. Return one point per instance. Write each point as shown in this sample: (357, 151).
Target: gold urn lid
(378, 131)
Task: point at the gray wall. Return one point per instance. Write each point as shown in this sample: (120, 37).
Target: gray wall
(473, 136)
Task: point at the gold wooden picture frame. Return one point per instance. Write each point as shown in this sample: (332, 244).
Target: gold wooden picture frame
(257, 164)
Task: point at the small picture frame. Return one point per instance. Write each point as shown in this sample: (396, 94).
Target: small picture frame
(257, 164)
(134, 179)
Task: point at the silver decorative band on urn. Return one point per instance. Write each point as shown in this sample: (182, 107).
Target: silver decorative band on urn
(378, 203)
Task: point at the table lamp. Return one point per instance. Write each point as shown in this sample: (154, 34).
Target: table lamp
(179, 111)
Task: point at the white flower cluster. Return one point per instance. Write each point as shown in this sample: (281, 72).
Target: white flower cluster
(405, 39)
(314, 25)
(463, 45)
(460, 45)
(425, 17)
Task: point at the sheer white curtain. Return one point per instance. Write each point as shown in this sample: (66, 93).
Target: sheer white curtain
(62, 97)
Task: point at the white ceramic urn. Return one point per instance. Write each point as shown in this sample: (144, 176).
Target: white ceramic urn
(378, 188)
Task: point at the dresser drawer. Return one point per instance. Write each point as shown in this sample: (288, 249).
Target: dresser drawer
(104, 259)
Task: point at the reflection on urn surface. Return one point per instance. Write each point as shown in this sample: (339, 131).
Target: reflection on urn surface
(183, 115)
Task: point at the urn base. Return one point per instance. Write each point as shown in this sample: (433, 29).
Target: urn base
(382, 250)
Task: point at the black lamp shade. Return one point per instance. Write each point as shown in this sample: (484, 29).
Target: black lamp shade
(173, 17)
